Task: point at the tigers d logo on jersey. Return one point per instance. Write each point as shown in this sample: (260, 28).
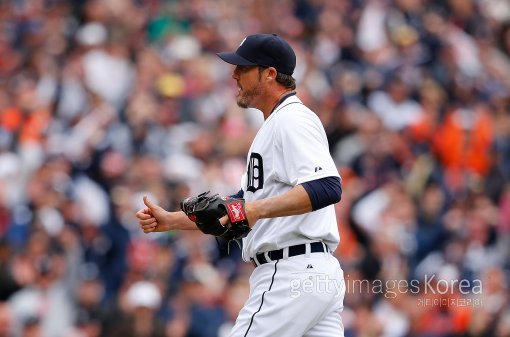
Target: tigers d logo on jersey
(255, 173)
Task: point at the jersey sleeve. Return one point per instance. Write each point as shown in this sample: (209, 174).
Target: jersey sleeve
(303, 148)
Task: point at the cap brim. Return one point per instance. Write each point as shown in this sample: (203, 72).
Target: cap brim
(235, 59)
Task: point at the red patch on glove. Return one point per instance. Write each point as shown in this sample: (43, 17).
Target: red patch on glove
(236, 211)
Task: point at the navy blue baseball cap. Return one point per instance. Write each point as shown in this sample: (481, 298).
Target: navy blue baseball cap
(268, 50)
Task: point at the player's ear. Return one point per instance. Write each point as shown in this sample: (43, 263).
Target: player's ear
(271, 73)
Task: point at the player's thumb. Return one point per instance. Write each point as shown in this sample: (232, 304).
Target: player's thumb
(148, 203)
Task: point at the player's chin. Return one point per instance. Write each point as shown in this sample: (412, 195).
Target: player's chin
(242, 103)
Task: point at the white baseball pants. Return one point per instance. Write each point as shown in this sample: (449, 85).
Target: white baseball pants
(293, 297)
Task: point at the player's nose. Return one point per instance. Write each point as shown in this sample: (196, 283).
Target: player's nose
(235, 73)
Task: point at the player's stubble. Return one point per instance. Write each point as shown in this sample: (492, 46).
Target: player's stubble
(246, 96)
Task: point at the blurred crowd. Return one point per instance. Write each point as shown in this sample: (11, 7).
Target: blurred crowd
(104, 101)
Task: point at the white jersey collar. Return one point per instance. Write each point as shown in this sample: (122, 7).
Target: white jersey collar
(289, 98)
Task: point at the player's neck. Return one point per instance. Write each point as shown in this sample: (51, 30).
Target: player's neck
(276, 100)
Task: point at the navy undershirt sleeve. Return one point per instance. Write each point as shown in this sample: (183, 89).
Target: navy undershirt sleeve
(238, 195)
(323, 192)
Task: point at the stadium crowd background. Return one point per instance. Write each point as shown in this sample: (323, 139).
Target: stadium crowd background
(104, 101)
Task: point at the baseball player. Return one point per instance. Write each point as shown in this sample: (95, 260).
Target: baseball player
(284, 211)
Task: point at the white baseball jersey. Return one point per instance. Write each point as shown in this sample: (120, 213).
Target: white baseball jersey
(289, 149)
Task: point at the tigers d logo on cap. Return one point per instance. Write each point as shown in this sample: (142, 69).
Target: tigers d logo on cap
(268, 50)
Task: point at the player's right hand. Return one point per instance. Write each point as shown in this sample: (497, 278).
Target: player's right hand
(154, 218)
(151, 217)
(147, 222)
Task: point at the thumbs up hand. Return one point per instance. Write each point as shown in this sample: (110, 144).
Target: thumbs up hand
(150, 217)
(153, 218)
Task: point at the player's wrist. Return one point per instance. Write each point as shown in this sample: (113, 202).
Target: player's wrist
(254, 211)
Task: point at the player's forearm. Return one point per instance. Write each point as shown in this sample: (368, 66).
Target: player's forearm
(153, 218)
(294, 202)
(177, 220)
(168, 221)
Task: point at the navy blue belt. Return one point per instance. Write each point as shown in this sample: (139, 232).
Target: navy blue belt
(274, 255)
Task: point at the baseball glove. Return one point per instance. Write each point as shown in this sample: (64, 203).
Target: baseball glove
(206, 210)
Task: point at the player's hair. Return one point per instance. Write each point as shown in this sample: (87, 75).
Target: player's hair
(286, 80)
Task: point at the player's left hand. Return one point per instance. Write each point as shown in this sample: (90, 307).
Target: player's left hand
(220, 216)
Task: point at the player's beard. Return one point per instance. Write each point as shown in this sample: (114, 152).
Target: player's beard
(245, 97)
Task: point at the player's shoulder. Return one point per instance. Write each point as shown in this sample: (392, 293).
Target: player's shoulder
(293, 110)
